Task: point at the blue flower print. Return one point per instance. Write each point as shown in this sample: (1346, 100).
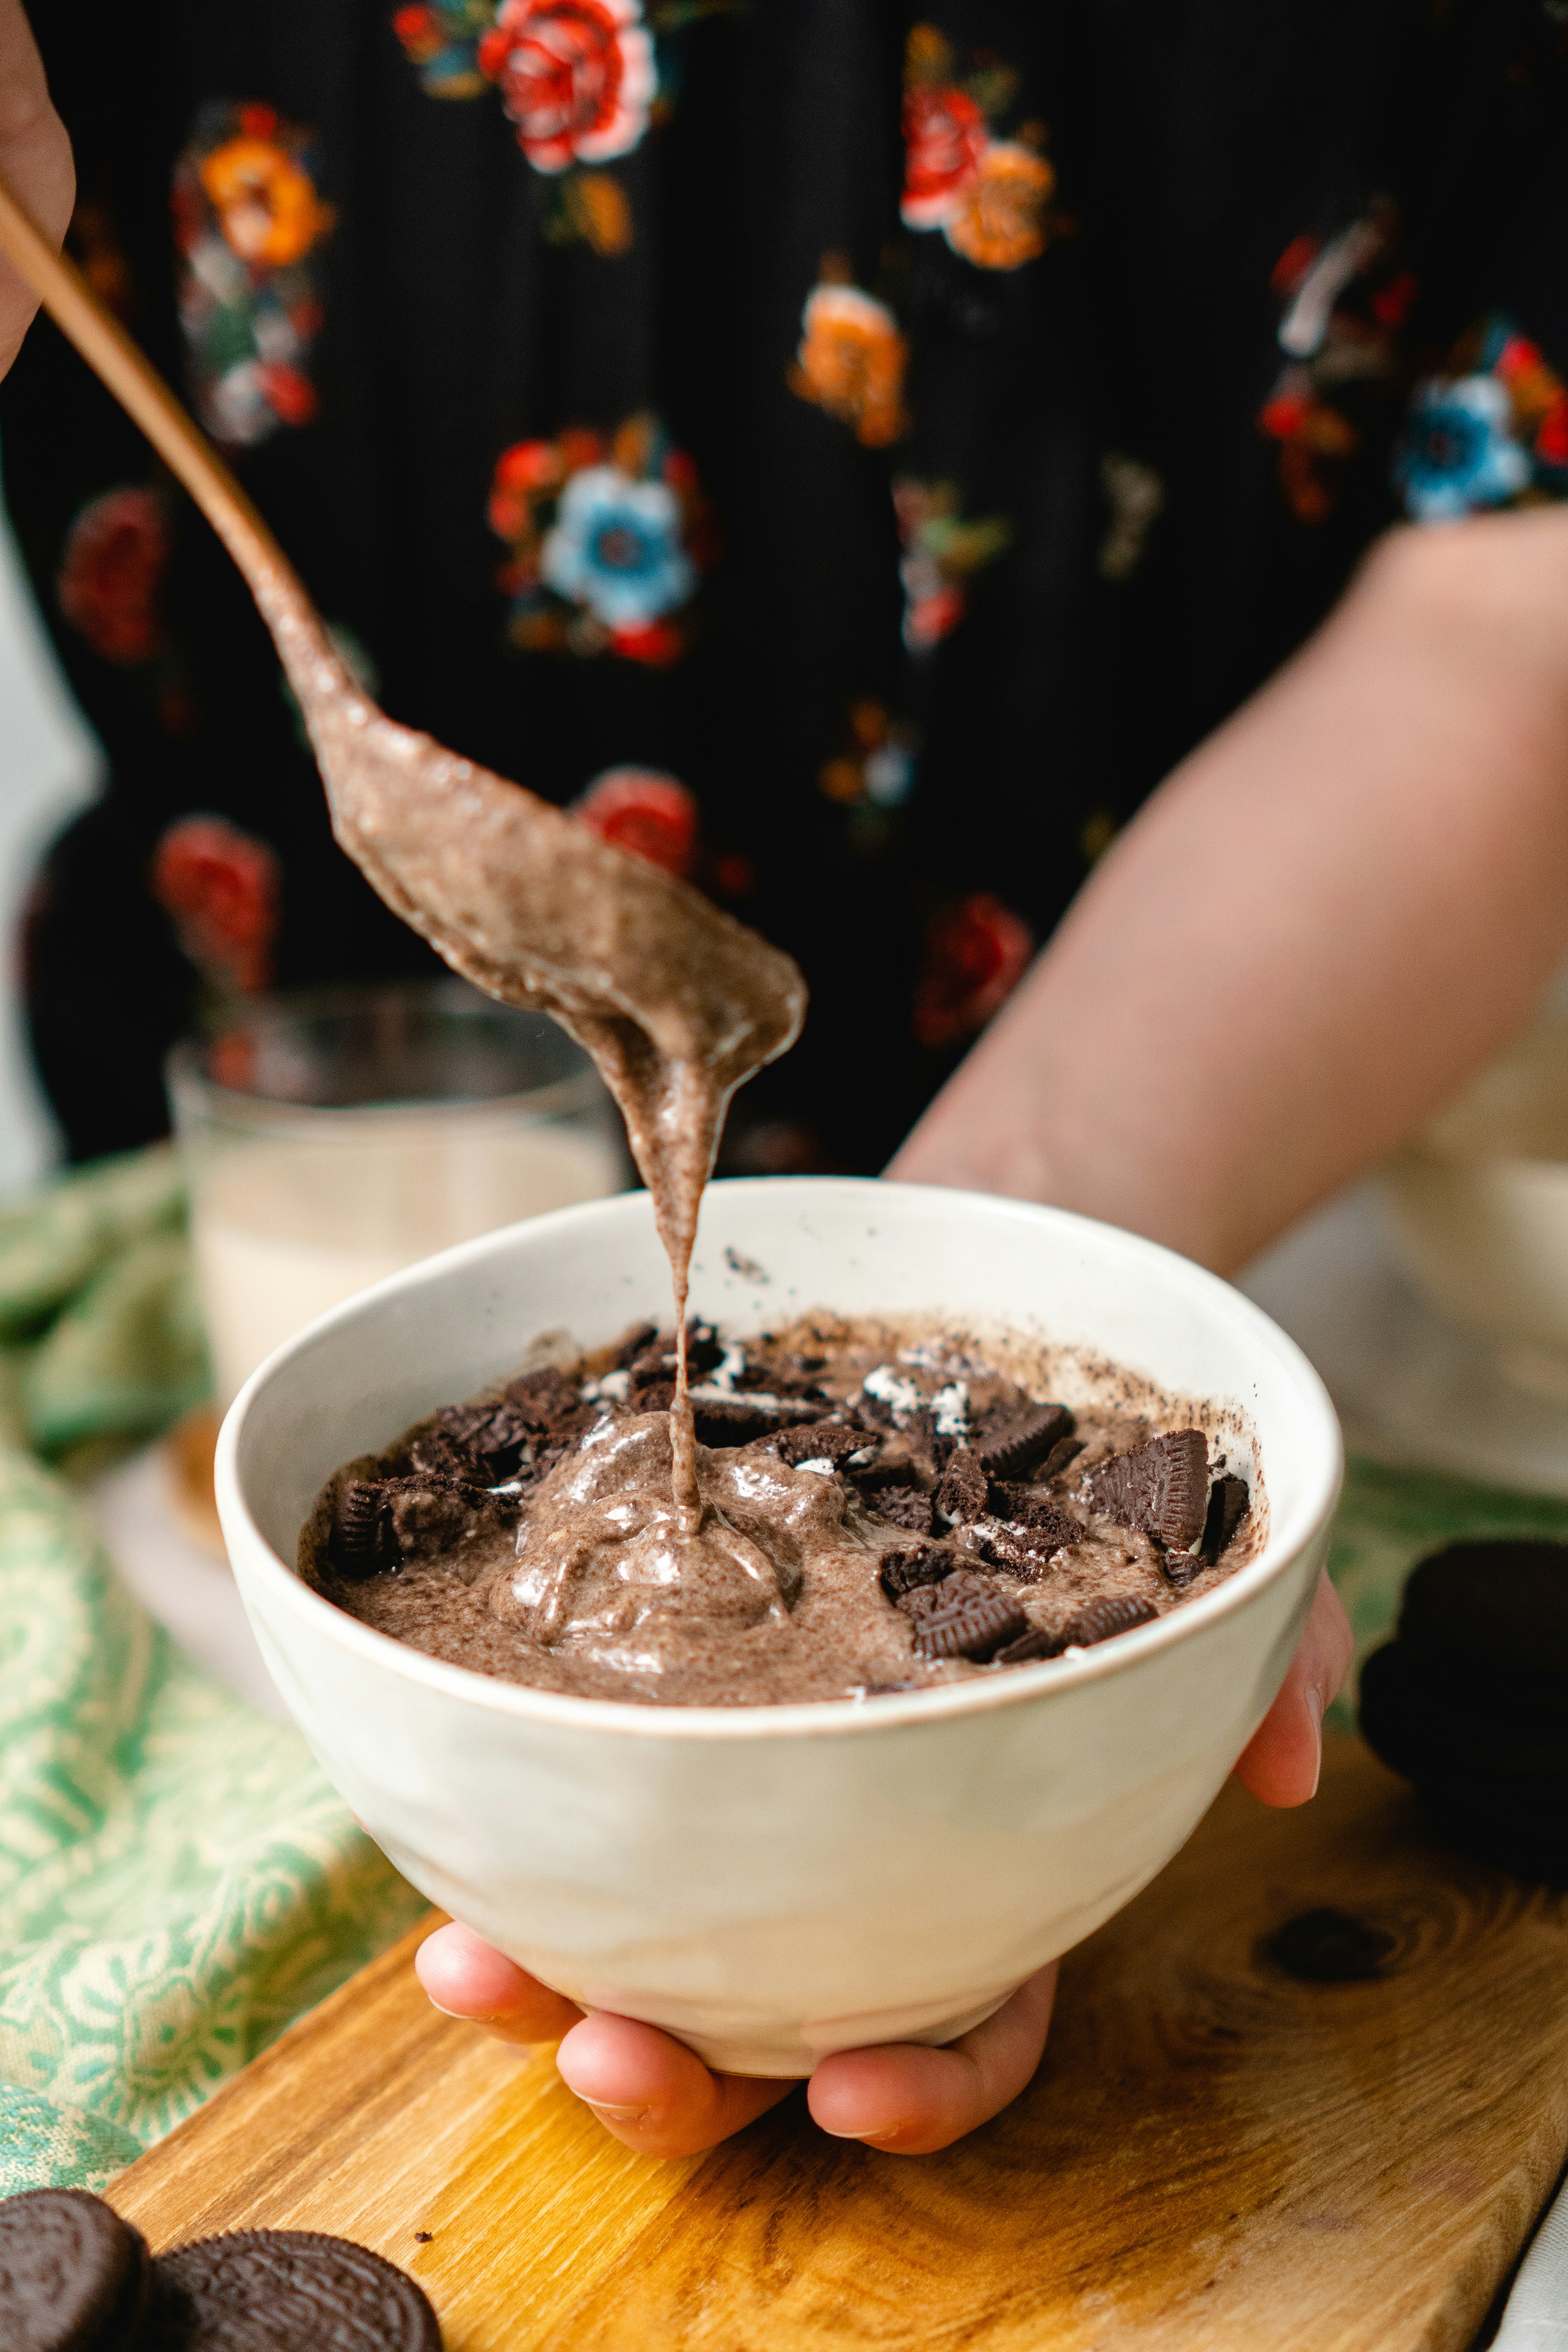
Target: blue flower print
(1459, 453)
(615, 547)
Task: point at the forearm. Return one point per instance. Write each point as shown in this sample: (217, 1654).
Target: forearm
(1336, 908)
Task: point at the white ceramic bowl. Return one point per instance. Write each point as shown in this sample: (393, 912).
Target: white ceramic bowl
(1478, 1206)
(773, 1884)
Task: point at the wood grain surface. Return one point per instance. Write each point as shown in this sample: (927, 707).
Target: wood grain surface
(1217, 2153)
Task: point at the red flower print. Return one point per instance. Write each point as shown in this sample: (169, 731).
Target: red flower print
(111, 567)
(577, 77)
(644, 811)
(221, 885)
(977, 952)
(944, 138)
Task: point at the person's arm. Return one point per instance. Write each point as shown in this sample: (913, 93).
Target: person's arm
(35, 161)
(1338, 907)
(1329, 914)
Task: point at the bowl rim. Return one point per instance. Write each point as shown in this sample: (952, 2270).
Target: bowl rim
(834, 1717)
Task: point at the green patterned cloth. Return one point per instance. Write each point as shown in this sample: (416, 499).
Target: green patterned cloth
(178, 1881)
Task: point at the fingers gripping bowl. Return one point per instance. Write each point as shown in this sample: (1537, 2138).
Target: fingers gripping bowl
(775, 1883)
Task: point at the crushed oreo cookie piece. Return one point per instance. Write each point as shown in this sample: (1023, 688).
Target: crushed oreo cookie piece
(965, 1616)
(1065, 1450)
(1160, 1487)
(1014, 1446)
(823, 1441)
(963, 1490)
(437, 1454)
(1229, 1501)
(921, 1565)
(657, 1397)
(539, 1400)
(362, 1542)
(1102, 1619)
(905, 1506)
(1182, 1568)
(496, 1435)
(637, 1342)
(1025, 1507)
(1032, 1644)
(724, 1420)
(1026, 1552)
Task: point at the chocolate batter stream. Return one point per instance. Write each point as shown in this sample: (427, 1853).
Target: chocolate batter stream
(677, 1004)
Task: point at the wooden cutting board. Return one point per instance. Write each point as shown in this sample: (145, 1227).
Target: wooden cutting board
(1219, 2154)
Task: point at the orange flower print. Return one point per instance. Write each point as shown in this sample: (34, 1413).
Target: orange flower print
(267, 206)
(247, 222)
(988, 195)
(577, 77)
(977, 951)
(851, 363)
(1002, 224)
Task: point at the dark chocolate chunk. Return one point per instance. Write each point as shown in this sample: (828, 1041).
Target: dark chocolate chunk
(1331, 1947)
(906, 1506)
(1229, 1504)
(1102, 1619)
(1026, 1552)
(362, 1542)
(730, 1421)
(74, 2277)
(965, 1616)
(1032, 1644)
(817, 1441)
(1022, 1441)
(275, 2290)
(1160, 1487)
(963, 1490)
(921, 1564)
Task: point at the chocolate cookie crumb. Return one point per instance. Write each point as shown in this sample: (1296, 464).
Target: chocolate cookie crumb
(1026, 1552)
(362, 1542)
(1160, 1487)
(965, 1616)
(1102, 1619)
(1019, 1443)
(922, 1564)
(905, 1506)
(823, 1441)
(1229, 1501)
(963, 1490)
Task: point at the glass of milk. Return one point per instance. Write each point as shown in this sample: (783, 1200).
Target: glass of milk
(331, 1137)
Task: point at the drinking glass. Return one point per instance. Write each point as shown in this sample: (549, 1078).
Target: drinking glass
(331, 1137)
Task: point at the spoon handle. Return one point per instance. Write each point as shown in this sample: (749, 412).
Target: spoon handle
(114, 356)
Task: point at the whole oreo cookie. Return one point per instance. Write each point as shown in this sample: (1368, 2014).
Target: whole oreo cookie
(1498, 1607)
(74, 2277)
(286, 2290)
(1470, 1701)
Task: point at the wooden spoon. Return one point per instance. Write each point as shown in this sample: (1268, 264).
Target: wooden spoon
(676, 1001)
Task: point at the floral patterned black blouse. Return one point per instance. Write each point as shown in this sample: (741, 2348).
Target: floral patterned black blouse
(849, 451)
